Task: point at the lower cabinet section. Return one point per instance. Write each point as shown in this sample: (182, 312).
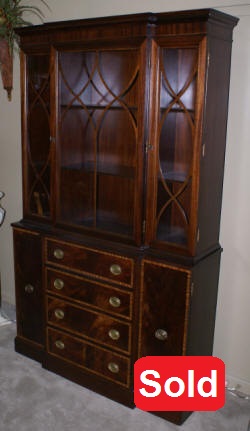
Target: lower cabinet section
(91, 327)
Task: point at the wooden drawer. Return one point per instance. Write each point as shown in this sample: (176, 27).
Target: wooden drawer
(92, 262)
(110, 365)
(88, 292)
(90, 324)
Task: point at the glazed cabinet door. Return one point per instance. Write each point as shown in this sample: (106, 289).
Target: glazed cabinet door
(29, 296)
(36, 135)
(99, 138)
(174, 150)
(165, 299)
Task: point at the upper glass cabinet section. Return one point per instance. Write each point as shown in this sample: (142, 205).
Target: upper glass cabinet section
(178, 87)
(38, 154)
(97, 139)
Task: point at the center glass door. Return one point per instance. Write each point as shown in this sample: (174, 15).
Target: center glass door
(97, 139)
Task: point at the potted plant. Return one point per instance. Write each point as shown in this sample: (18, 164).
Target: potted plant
(11, 16)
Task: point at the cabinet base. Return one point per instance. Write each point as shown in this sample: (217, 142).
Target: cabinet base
(28, 348)
(175, 417)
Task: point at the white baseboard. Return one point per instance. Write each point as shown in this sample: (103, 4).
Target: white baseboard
(8, 311)
(238, 384)
(3, 321)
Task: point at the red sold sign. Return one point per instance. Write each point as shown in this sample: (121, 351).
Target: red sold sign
(183, 383)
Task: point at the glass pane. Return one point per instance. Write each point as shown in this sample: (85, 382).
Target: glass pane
(98, 133)
(38, 191)
(177, 122)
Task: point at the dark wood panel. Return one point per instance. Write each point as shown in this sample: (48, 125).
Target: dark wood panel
(28, 348)
(214, 142)
(203, 306)
(29, 291)
(165, 306)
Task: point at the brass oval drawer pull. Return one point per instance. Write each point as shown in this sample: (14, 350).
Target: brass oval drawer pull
(115, 301)
(115, 269)
(60, 344)
(58, 253)
(58, 284)
(114, 334)
(29, 288)
(59, 313)
(113, 367)
(161, 334)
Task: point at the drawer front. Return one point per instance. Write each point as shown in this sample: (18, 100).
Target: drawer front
(110, 365)
(90, 324)
(97, 295)
(92, 262)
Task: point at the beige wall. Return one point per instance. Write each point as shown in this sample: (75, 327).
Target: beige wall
(232, 342)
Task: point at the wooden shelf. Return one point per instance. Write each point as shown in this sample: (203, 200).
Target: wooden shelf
(91, 107)
(173, 176)
(177, 110)
(174, 235)
(102, 169)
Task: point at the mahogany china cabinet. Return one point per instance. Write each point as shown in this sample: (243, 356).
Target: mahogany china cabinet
(123, 141)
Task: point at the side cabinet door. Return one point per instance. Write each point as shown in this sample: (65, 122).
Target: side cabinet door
(173, 157)
(28, 275)
(164, 309)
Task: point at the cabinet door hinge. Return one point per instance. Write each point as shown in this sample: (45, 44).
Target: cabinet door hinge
(198, 235)
(203, 150)
(192, 289)
(144, 227)
(208, 59)
(149, 61)
(148, 146)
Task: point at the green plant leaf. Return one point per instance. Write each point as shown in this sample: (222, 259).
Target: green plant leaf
(13, 11)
